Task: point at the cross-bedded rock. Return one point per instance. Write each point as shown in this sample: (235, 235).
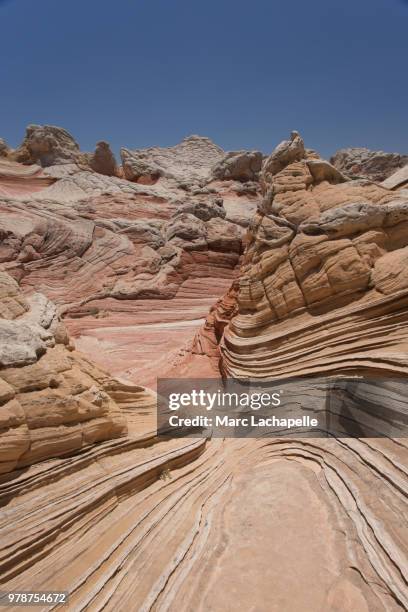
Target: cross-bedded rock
(374, 165)
(323, 288)
(53, 400)
(189, 162)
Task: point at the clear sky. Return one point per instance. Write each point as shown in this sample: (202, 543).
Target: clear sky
(243, 72)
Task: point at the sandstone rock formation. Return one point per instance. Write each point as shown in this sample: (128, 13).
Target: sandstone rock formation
(4, 148)
(323, 289)
(138, 522)
(17, 180)
(53, 400)
(238, 166)
(189, 162)
(103, 160)
(319, 251)
(374, 165)
(108, 251)
(398, 180)
(286, 152)
(47, 145)
(54, 148)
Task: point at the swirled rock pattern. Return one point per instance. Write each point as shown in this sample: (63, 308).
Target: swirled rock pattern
(322, 289)
(17, 180)
(110, 251)
(142, 523)
(53, 401)
(325, 260)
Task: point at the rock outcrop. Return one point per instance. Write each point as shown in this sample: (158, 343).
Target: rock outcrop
(53, 401)
(374, 165)
(320, 251)
(286, 152)
(18, 180)
(47, 145)
(238, 166)
(4, 148)
(323, 289)
(189, 162)
(140, 522)
(56, 150)
(398, 180)
(109, 251)
(103, 160)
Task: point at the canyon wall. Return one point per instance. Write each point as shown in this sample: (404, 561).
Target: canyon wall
(299, 270)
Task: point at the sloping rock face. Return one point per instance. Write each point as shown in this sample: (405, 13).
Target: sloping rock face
(188, 162)
(74, 445)
(47, 145)
(320, 252)
(17, 180)
(108, 265)
(53, 400)
(133, 268)
(238, 165)
(374, 165)
(398, 180)
(323, 290)
(143, 523)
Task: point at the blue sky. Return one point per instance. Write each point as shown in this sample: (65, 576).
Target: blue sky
(149, 72)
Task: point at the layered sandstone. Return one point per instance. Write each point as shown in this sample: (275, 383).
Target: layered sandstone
(188, 162)
(374, 165)
(144, 523)
(238, 165)
(17, 180)
(325, 261)
(323, 290)
(53, 400)
(110, 251)
(47, 145)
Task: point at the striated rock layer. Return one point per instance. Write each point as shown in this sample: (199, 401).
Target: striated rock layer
(323, 290)
(53, 400)
(324, 283)
(374, 165)
(282, 524)
(133, 268)
(142, 523)
(17, 180)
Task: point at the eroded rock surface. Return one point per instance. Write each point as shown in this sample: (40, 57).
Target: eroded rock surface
(322, 290)
(17, 180)
(53, 401)
(47, 145)
(374, 165)
(103, 160)
(239, 166)
(108, 250)
(189, 162)
(4, 148)
(398, 180)
(322, 254)
(148, 524)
